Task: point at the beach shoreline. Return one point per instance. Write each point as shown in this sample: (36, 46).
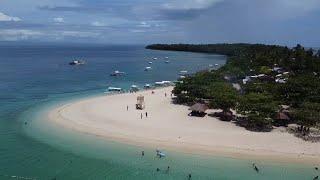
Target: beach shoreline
(169, 127)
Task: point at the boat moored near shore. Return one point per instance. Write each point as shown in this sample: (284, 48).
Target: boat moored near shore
(114, 89)
(76, 62)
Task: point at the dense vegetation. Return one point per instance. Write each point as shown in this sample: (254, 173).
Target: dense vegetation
(278, 77)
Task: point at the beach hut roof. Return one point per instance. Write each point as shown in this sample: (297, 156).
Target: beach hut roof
(282, 116)
(198, 107)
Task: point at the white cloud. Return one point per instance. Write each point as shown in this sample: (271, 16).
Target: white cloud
(298, 5)
(80, 34)
(137, 31)
(189, 4)
(18, 34)
(4, 17)
(97, 23)
(144, 24)
(58, 20)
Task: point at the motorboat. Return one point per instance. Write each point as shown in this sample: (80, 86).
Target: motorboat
(117, 73)
(134, 88)
(147, 68)
(114, 89)
(147, 86)
(76, 62)
(150, 62)
(183, 72)
(167, 62)
(160, 154)
(163, 83)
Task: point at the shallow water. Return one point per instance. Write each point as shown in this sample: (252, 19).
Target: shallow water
(35, 78)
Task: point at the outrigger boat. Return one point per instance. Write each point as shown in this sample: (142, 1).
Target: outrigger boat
(160, 154)
(76, 62)
(114, 89)
(148, 68)
(117, 73)
(134, 88)
(183, 72)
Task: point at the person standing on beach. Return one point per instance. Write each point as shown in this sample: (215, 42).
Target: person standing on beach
(165, 94)
(127, 107)
(146, 114)
(141, 116)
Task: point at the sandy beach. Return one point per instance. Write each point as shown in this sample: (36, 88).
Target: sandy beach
(169, 127)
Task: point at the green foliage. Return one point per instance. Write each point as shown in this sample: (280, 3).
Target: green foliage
(223, 96)
(258, 123)
(259, 99)
(265, 70)
(301, 88)
(260, 104)
(195, 87)
(308, 114)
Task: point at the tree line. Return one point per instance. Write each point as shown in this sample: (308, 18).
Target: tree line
(259, 101)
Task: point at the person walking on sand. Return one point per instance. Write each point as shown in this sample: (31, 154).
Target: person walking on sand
(146, 114)
(141, 116)
(127, 107)
(165, 94)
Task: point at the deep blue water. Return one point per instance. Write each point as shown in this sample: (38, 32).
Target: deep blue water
(35, 76)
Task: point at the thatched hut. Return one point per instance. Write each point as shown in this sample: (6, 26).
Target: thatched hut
(140, 102)
(281, 119)
(198, 109)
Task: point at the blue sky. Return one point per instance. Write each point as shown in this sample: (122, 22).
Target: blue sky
(285, 22)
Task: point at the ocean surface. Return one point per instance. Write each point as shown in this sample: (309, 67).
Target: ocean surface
(35, 78)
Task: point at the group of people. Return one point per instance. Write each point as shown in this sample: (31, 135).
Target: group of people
(168, 167)
(141, 115)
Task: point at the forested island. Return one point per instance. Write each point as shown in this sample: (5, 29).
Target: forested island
(259, 87)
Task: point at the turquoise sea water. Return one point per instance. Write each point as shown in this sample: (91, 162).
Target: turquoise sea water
(36, 78)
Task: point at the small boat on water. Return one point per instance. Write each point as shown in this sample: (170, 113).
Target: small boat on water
(210, 65)
(167, 62)
(147, 86)
(167, 57)
(160, 154)
(114, 89)
(183, 72)
(182, 77)
(117, 73)
(154, 58)
(216, 64)
(148, 68)
(150, 62)
(134, 88)
(163, 83)
(76, 62)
